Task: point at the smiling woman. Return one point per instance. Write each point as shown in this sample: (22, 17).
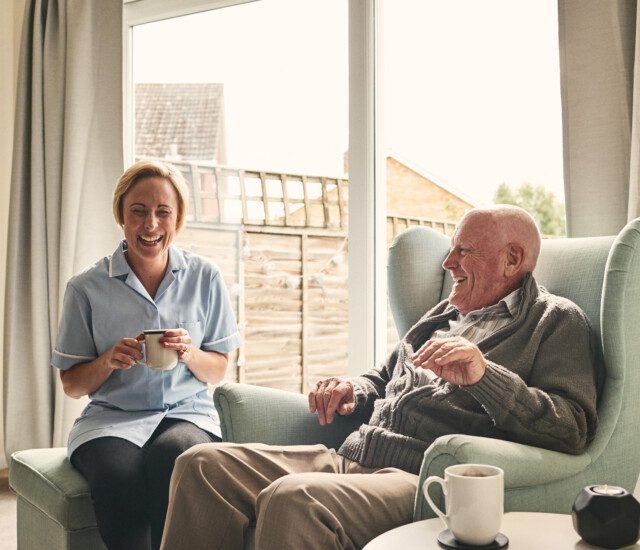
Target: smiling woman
(141, 417)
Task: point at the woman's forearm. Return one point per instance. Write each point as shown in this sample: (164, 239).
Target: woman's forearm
(206, 366)
(85, 378)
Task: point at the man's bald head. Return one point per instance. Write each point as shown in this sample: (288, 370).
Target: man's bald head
(510, 224)
(492, 250)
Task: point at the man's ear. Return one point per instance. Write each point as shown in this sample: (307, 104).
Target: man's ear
(514, 259)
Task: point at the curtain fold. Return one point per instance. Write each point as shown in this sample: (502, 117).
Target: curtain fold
(67, 157)
(600, 86)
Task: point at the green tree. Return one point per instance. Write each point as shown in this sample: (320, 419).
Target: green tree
(541, 204)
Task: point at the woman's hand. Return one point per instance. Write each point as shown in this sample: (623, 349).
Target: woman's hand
(178, 339)
(85, 378)
(206, 366)
(125, 353)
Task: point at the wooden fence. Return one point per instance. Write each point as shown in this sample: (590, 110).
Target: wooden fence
(225, 195)
(283, 252)
(236, 196)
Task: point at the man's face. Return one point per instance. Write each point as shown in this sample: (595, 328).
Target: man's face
(476, 263)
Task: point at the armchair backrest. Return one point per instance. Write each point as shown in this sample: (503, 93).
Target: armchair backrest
(602, 276)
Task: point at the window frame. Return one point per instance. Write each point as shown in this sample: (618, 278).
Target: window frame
(367, 187)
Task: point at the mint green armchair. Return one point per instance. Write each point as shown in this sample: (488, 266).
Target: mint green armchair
(602, 275)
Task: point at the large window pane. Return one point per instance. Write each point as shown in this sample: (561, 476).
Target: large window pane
(471, 111)
(250, 102)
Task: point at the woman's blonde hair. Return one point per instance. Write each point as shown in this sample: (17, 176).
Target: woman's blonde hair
(151, 169)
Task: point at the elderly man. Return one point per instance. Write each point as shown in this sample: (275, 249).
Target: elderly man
(501, 357)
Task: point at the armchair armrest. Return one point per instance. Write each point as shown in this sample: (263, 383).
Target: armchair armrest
(253, 414)
(523, 466)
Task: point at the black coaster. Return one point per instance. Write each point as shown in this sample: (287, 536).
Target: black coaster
(447, 540)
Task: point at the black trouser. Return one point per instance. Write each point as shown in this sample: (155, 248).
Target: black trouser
(130, 485)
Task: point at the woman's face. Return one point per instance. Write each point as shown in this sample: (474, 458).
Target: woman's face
(150, 212)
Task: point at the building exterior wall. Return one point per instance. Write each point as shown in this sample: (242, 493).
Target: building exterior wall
(412, 195)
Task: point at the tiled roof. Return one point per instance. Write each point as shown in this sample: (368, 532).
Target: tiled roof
(187, 115)
(432, 178)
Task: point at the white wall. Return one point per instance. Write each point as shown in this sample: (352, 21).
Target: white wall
(10, 29)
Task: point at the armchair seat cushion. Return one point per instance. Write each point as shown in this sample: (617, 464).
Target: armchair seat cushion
(54, 499)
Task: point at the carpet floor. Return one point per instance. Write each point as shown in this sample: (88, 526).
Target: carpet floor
(7, 514)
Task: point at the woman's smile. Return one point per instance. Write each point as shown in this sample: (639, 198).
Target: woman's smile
(149, 241)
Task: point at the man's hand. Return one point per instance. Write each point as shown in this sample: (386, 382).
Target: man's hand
(455, 360)
(330, 396)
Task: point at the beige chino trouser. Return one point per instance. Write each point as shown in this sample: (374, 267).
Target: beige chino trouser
(299, 497)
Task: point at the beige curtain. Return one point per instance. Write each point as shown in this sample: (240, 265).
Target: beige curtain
(10, 27)
(600, 81)
(67, 156)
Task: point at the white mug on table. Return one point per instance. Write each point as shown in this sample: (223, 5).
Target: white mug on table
(474, 501)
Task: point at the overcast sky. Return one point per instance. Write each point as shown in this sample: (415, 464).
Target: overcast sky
(471, 89)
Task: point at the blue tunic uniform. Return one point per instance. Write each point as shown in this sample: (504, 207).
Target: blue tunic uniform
(106, 303)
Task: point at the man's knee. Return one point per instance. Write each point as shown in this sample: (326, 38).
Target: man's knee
(198, 454)
(287, 494)
(206, 460)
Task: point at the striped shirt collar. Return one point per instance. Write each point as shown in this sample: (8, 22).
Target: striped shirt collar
(508, 304)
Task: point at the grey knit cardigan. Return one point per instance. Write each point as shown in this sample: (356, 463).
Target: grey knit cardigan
(539, 388)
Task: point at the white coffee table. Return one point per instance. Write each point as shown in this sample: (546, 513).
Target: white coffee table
(525, 530)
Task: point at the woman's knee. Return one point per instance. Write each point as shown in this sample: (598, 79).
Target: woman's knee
(171, 444)
(165, 451)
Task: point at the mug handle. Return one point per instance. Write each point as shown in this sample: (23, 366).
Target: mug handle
(425, 490)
